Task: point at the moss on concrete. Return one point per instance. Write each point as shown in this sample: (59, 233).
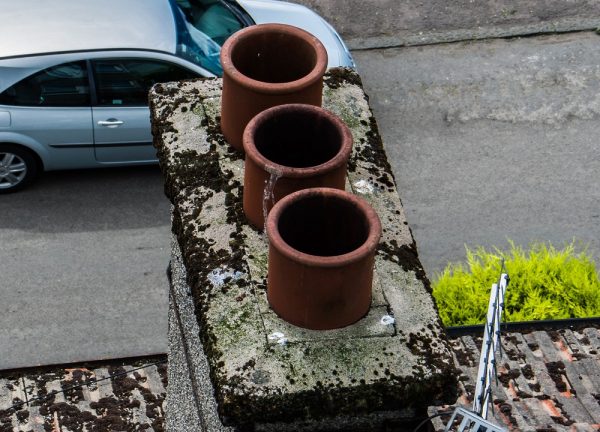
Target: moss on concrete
(365, 368)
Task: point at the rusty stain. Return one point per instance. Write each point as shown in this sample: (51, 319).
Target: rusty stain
(69, 373)
(464, 400)
(563, 350)
(567, 394)
(549, 405)
(55, 426)
(511, 391)
(504, 412)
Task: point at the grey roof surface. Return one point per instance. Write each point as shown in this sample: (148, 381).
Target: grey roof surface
(84, 400)
(548, 380)
(34, 27)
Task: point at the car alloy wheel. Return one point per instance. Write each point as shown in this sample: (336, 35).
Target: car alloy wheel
(17, 168)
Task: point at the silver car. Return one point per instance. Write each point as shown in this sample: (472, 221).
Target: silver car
(74, 75)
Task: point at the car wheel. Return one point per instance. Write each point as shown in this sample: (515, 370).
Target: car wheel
(18, 168)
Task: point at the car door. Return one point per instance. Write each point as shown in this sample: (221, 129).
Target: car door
(120, 113)
(50, 110)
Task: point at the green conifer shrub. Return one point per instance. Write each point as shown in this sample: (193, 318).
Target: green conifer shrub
(545, 283)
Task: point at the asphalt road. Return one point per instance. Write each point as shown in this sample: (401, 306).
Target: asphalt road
(393, 23)
(83, 257)
(492, 140)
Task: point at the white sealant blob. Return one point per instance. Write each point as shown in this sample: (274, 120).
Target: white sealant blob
(217, 276)
(278, 337)
(363, 187)
(275, 336)
(387, 320)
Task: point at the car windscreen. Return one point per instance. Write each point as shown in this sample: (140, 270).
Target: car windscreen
(202, 28)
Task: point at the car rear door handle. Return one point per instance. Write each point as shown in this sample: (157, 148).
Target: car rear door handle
(111, 123)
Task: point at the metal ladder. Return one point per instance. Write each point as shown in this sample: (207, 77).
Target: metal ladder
(475, 420)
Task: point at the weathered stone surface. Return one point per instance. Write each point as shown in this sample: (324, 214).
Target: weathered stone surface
(263, 369)
(191, 404)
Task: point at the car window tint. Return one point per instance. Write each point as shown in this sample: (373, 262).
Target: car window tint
(60, 86)
(125, 82)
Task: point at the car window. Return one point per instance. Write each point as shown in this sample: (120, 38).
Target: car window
(211, 17)
(64, 85)
(126, 82)
(202, 27)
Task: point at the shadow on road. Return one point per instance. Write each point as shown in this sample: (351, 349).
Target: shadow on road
(88, 200)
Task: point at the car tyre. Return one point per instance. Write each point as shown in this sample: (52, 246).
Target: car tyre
(18, 168)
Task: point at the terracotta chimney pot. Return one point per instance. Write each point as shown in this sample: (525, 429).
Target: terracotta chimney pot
(267, 65)
(322, 245)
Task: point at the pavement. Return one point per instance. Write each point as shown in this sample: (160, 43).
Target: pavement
(492, 140)
(83, 257)
(488, 140)
(375, 24)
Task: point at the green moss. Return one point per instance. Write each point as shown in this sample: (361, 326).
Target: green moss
(231, 327)
(347, 113)
(336, 77)
(260, 257)
(408, 258)
(198, 110)
(346, 357)
(545, 283)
